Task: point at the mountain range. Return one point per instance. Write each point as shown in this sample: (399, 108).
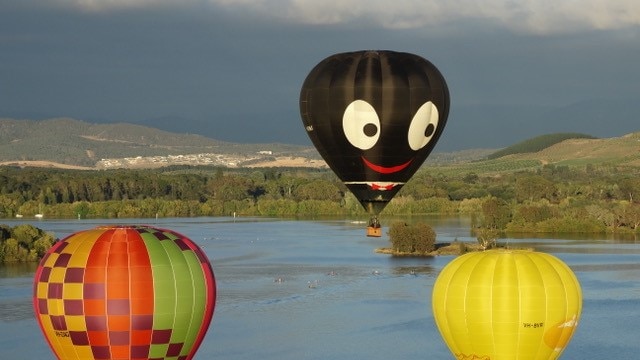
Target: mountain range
(74, 142)
(499, 126)
(469, 126)
(70, 142)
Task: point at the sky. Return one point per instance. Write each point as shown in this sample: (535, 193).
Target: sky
(232, 69)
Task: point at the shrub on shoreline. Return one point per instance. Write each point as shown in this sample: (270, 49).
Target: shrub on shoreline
(23, 243)
(417, 238)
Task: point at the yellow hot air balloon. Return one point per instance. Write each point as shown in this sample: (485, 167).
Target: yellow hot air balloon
(506, 304)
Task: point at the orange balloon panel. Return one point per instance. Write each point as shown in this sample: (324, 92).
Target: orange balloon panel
(124, 292)
(506, 304)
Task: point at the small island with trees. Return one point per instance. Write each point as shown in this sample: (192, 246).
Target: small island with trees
(23, 243)
(419, 239)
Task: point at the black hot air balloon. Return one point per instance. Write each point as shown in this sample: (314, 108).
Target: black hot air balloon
(374, 116)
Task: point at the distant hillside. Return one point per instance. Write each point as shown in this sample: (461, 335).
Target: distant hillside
(617, 151)
(623, 151)
(537, 143)
(75, 142)
(457, 157)
(71, 143)
(499, 125)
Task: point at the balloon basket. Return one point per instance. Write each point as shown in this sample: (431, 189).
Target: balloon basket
(374, 231)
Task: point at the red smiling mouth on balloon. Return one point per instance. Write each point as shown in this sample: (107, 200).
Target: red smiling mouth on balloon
(384, 169)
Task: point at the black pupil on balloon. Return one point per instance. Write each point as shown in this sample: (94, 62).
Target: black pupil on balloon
(429, 130)
(370, 130)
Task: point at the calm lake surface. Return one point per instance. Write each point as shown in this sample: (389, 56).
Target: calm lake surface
(338, 299)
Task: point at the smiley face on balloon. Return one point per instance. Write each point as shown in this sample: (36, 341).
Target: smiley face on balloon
(374, 116)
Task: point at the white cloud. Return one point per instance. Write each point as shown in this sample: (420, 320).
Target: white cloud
(536, 16)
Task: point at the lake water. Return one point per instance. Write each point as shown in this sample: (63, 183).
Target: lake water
(338, 299)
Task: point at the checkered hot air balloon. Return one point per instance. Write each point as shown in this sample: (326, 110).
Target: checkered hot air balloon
(124, 292)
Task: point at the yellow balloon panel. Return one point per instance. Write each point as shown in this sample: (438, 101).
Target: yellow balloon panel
(506, 304)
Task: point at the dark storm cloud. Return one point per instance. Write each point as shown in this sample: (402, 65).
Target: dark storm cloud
(232, 70)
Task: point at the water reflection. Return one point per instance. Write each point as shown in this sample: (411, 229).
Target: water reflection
(15, 310)
(17, 270)
(362, 304)
(613, 237)
(415, 270)
(16, 284)
(606, 267)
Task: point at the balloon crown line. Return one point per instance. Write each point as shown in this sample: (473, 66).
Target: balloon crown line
(373, 53)
(507, 250)
(124, 227)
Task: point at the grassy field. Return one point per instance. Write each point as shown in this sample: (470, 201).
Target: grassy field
(613, 152)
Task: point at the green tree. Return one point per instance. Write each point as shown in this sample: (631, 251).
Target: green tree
(630, 187)
(42, 244)
(12, 252)
(417, 238)
(630, 216)
(231, 187)
(534, 187)
(277, 207)
(496, 214)
(26, 234)
(535, 212)
(82, 208)
(23, 243)
(487, 238)
(318, 190)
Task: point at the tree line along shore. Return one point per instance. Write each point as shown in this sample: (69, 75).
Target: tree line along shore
(549, 199)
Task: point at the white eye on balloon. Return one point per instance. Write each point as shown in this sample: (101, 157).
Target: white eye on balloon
(361, 125)
(423, 126)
